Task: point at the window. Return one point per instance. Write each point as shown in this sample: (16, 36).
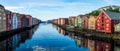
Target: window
(107, 20)
(4, 14)
(102, 28)
(0, 18)
(102, 24)
(98, 20)
(105, 17)
(107, 46)
(98, 28)
(102, 17)
(4, 18)
(107, 28)
(107, 25)
(118, 27)
(102, 21)
(98, 24)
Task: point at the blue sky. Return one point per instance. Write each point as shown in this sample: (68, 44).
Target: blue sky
(51, 9)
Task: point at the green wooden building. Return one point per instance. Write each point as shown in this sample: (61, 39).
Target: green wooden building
(72, 20)
(117, 27)
(78, 22)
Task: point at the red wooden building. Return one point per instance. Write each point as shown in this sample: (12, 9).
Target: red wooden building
(19, 20)
(106, 20)
(8, 20)
(64, 21)
(85, 22)
(28, 20)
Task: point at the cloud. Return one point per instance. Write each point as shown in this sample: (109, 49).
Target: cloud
(14, 8)
(53, 10)
(50, 9)
(112, 2)
(108, 1)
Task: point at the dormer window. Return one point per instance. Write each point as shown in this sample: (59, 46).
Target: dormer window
(98, 28)
(107, 25)
(98, 20)
(107, 20)
(107, 28)
(98, 24)
(105, 17)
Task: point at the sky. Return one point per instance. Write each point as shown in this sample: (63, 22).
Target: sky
(52, 9)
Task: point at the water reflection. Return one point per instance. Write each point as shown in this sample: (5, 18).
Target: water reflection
(13, 42)
(60, 30)
(92, 43)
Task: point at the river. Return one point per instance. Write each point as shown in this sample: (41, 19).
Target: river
(47, 37)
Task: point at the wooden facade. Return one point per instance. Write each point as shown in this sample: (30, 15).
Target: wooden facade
(92, 22)
(23, 21)
(15, 21)
(62, 21)
(8, 20)
(72, 20)
(2, 18)
(117, 27)
(59, 21)
(19, 20)
(28, 20)
(78, 22)
(85, 22)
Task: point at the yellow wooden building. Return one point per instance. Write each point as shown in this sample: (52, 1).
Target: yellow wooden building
(91, 22)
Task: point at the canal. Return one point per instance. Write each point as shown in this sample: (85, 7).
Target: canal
(48, 37)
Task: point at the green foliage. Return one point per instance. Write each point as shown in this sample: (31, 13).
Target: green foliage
(113, 10)
(96, 12)
(93, 13)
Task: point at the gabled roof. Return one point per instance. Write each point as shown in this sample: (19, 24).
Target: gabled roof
(113, 15)
(7, 11)
(93, 17)
(1, 5)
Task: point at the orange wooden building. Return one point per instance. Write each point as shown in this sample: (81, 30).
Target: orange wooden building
(92, 23)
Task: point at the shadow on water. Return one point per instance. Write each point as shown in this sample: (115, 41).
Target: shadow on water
(11, 42)
(92, 43)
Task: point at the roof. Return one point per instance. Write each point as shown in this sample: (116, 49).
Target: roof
(72, 16)
(113, 15)
(93, 17)
(7, 11)
(1, 5)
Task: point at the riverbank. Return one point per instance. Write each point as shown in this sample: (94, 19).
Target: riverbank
(91, 33)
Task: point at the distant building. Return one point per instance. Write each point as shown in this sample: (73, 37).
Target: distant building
(15, 21)
(2, 19)
(85, 22)
(78, 22)
(72, 20)
(8, 20)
